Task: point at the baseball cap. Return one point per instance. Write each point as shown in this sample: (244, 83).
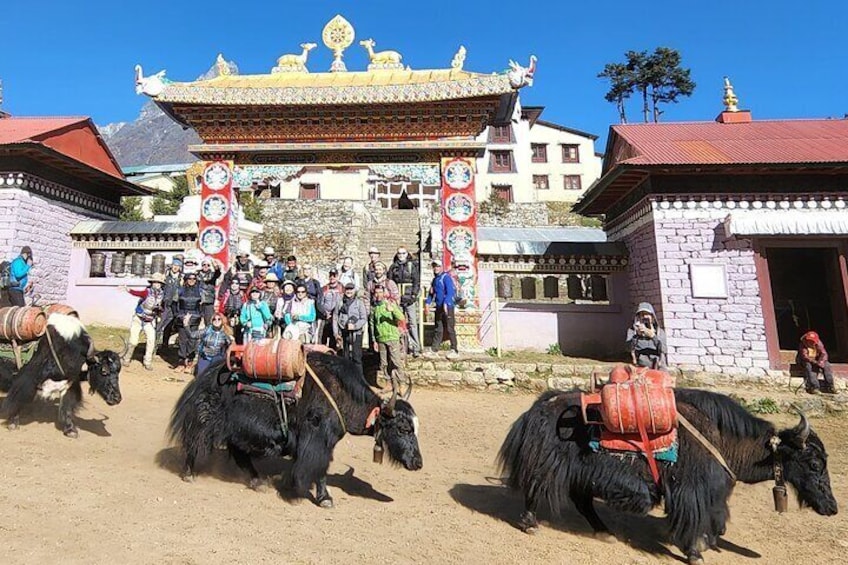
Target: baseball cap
(27, 249)
(374, 250)
(334, 271)
(350, 286)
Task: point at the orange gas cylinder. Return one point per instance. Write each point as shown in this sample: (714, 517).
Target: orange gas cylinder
(268, 359)
(60, 309)
(22, 323)
(624, 373)
(624, 405)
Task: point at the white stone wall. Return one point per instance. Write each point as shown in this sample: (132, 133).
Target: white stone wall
(719, 335)
(44, 225)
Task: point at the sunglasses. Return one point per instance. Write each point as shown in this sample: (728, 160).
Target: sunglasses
(301, 292)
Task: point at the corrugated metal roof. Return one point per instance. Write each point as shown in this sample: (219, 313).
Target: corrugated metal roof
(90, 227)
(541, 234)
(756, 142)
(546, 241)
(15, 130)
(156, 169)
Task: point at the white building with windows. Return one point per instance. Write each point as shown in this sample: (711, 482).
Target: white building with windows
(536, 161)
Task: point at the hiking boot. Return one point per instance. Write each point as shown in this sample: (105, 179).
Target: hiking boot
(125, 361)
(814, 391)
(416, 354)
(148, 366)
(453, 356)
(430, 355)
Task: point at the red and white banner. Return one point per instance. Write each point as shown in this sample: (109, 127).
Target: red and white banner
(216, 205)
(459, 223)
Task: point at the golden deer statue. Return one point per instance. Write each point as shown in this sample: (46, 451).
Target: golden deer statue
(292, 62)
(381, 59)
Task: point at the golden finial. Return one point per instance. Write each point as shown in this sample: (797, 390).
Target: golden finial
(221, 66)
(338, 35)
(730, 100)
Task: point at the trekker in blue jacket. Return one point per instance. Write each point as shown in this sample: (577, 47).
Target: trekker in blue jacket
(443, 295)
(19, 282)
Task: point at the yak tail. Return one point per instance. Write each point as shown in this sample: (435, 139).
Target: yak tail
(8, 372)
(509, 457)
(190, 426)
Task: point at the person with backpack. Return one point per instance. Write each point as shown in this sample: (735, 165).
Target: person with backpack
(404, 272)
(19, 282)
(255, 316)
(443, 295)
(386, 320)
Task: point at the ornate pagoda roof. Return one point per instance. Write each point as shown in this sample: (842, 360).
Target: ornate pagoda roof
(349, 88)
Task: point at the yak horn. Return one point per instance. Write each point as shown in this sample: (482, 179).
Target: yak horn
(126, 346)
(803, 427)
(390, 406)
(409, 387)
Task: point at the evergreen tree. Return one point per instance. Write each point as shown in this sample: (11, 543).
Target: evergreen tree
(131, 209)
(167, 203)
(658, 77)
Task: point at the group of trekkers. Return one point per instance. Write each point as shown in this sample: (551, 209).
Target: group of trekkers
(376, 308)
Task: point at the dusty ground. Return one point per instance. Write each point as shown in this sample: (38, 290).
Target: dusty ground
(113, 496)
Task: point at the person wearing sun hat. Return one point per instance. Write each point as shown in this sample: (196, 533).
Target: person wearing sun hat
(255, 317)
(207, 276)
(150, 304)
(173, 282)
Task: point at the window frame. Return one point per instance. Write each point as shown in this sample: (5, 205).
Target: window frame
(547, 183)
(498, 188)
(566, 178)
(496, 134)
(301, 195)
(494, 167)
(566, 153)
(543, 158)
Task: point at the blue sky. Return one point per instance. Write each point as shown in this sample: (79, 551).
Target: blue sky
(786, 59)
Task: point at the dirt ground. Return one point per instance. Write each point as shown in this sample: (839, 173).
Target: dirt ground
(113, 496)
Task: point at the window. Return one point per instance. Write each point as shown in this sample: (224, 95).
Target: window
(500, 134)
(571, 182)
(309, 191)
(540, 182)
(570, 154)
(540, 152)
(501, 162)
(502, 191)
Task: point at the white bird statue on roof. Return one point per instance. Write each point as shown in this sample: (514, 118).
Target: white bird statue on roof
(152, 85)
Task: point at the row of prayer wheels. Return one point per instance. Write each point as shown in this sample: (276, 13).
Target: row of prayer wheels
(134, 264)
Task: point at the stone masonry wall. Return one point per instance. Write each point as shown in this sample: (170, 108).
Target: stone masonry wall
(514, 215)
(716, 335)
(44, 225)
(643, 273)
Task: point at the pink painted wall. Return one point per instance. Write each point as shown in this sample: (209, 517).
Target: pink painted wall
(581, 330)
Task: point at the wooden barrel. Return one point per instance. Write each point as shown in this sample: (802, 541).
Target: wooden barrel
(22, 323)
(268, 359)
(157, 263)
(98, 264)
(137, 265)
(60, 309)
(118, 263)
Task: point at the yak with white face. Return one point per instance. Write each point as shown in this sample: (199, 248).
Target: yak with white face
(63, 359)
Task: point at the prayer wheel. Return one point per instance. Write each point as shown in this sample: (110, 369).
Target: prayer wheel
(137, 264)
(157, 264)
(598, 284)
(118, 263)
(268, 359)
(98, 265)
(504, 286)
(22, 323)
(575, 287)
(60, 309)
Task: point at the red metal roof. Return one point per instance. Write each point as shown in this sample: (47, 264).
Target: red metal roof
(756, 142)
(14, 130)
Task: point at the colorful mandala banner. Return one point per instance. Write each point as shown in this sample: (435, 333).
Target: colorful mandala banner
(459, 225)
(216, 220)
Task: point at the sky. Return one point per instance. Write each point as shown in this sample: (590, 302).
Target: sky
(785, 59)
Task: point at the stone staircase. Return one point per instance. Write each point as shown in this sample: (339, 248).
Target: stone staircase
(389, 230)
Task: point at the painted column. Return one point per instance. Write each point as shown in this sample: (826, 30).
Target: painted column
(217, 221)
(459, 229)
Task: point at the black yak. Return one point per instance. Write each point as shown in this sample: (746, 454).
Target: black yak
(547, 457)
(63, 359)
(212, 413)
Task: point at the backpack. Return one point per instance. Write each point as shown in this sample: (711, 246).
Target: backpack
(459, 296)
(6, 278)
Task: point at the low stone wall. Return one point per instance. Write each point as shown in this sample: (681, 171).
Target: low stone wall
(508, 376)
(514, 215)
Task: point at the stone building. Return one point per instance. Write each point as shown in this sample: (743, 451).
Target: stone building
(736, 232)
(54, 173)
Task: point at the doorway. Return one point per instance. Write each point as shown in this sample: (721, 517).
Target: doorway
(808, 294)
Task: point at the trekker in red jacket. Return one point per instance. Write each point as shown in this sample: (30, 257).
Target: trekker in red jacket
(812, 356)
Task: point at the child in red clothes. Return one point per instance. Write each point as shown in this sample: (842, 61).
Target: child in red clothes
(812, 356)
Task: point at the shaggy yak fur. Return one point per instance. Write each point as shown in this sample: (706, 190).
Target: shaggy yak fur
(547, 457)
(210, 415)
(41, 376)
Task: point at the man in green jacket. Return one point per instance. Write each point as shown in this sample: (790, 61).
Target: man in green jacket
(386, 316)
